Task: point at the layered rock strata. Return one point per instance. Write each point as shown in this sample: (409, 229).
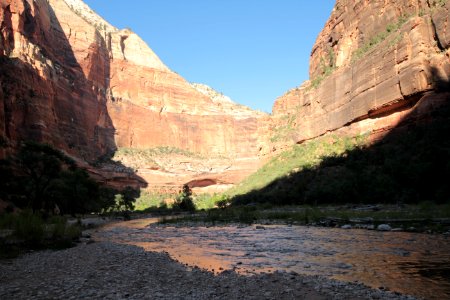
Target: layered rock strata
(72, 80)
(69, 78)
(370, 68)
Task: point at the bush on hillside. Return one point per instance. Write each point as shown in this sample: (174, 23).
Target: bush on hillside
(46, 180)
(410, 165)
(184, 200)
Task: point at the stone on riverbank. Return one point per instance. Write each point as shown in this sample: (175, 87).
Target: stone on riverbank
(384, 227)
(105, 270)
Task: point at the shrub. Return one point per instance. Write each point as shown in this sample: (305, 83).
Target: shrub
(223, 201)
(339, 172)
(29, 227)
(184, 200)
(45, 178)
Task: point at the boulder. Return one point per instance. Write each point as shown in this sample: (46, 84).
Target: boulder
(384, 227)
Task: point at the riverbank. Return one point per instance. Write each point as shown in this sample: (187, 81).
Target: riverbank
(105, 270)
(425, 218)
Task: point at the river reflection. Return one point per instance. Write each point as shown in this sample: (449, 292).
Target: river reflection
(410, 263)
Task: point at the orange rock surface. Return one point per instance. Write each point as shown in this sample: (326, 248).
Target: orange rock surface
(371, 64)
(72, 80)
(69, 78)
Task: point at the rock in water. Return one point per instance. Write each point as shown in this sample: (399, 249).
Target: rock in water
(384, 227)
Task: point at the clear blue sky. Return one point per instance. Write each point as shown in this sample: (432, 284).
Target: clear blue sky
(251, 50)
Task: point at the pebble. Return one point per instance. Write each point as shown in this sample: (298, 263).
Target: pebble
(113, 271)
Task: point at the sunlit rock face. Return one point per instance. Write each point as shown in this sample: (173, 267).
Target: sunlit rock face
(370, 67)
(70, 79)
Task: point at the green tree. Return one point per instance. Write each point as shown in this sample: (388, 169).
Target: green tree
(51, 179)
(129, 196)
(74, 192)
(184, 200)
(107, 199)
(124, 201)
(41, 165)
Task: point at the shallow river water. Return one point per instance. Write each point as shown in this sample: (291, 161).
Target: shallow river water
(410, 263)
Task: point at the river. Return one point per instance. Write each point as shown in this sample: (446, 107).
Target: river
(409, 263)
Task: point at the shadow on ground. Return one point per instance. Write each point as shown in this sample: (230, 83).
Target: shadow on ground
(410, 164)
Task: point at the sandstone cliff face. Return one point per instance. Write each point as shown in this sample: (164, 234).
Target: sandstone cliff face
(46, 94)
(371, 64)
(70, 79)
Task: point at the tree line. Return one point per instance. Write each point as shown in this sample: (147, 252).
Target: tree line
(44, 179)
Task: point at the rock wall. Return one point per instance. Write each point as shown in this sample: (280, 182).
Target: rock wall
(369, 67)
(70, 79)
(47, 95)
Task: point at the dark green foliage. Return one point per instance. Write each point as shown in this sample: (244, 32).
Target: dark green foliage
(223, 202)
(129, 197)
(184, 200)
(74, 192)
(33, 231)
(410, 165)
(122, 202)
(46, 180)
(107, 198)
(42, 166)
(6, 179)
(30, 228)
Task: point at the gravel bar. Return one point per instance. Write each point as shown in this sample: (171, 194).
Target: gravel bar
(105, 270)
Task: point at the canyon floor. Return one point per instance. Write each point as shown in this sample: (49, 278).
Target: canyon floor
(107, 270)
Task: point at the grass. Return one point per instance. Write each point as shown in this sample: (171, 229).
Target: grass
(380, 37)
(152, 200)
(162, 202)
(405, 167)
(409, 218)
(136, 158)
(327, 68)
(391, 29)
(301, 156)
(404, 216)
(25, 231)
(281, 133)
(327, 64)
(208, 201)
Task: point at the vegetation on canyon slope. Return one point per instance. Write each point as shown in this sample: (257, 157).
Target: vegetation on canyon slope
(147, 157)
(43, 179)
(296, 159)
(392, 34)
(410, 165)
(40, 183)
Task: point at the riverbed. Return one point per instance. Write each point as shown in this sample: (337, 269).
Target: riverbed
(408, 263)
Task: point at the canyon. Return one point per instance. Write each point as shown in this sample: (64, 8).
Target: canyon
(375, 64)
(100, 94)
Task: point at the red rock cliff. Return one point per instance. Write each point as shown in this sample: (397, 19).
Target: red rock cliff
(371, 64)
(45, 94)
(70, 79)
